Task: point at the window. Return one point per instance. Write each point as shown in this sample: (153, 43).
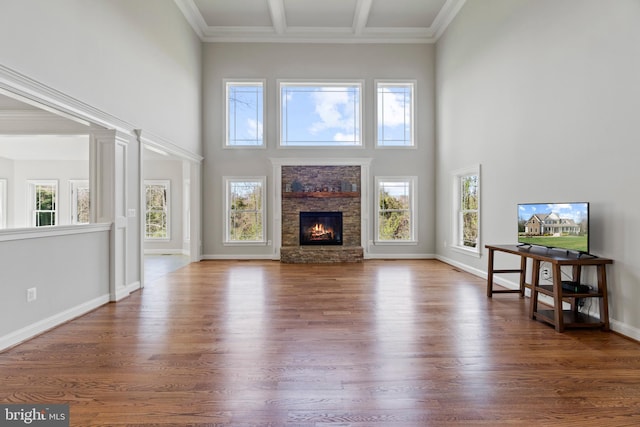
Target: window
(320, 114)
(394, 114)
(79, 201)
(3, 203)
(467, 210)
(43, 202)
(395, 201)
(245, 114)
(244, 219)
(157, 210)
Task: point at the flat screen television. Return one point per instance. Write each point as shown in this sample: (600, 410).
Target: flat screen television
(555, 225)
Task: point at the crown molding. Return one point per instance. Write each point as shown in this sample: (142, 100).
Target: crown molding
(193, 16)
(281, 33)
(160, 143)
(37, 94)
(448, 12)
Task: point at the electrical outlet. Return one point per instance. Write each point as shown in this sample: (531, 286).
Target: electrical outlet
(545, 273)
(31, 294)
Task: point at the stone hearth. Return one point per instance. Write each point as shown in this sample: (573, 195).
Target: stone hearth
(317, 189)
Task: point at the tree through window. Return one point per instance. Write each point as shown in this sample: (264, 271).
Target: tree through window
(44, 202)
(395, 205)
(466, 206)
(245, 210)
(157, 210)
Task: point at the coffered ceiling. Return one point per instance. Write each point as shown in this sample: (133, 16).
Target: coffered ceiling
(320, 21)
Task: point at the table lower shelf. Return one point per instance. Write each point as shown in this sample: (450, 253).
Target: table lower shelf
(570, 319)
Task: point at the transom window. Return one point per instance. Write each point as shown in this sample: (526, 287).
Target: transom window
(245, 114)
(395, 201)
(320, 114)
(244, 219)
(157, 210)
(467, 209)
(44, 203)
(394, 114)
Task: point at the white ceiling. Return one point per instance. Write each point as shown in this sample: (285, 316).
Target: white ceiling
(30, 133)
(44, 147)
(320, 21)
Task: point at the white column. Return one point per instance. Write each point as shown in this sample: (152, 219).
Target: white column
(109, 200)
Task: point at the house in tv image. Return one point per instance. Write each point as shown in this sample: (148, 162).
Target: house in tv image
(550, 224)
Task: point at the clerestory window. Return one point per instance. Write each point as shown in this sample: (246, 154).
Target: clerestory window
(395, 114)
(316, 114)
(244, 106)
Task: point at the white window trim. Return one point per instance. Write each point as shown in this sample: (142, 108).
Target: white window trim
(321, 82)
(167, 184)
(456, 229)
(3, 203)
(227, 180)
(31, 184)
(414, 90)
(74, 184)
(413, 194)
(225, 89)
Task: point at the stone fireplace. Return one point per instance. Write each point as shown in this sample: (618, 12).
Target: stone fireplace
(320, 228)
(308, 191)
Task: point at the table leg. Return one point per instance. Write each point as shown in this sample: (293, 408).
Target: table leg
(535, 276)
(490, 274)
(557, 298)
(604, 301)
(523, 274)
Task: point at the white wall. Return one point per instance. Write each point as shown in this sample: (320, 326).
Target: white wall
(41, 263)
(545, 95)
(137, 60)
(315, 61)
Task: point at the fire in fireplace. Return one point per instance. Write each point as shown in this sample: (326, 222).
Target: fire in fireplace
(320, 228)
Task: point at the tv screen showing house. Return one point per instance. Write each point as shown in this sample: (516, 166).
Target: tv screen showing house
(554, 225)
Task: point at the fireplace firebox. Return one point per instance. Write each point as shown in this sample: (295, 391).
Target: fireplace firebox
(320, 228)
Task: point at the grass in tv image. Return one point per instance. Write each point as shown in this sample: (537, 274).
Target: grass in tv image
(556, 225)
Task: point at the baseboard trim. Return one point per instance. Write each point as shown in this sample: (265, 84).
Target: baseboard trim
(266, 257)
(398, 256)
(21, 335)
(624, 329)
(132, 287)
(619, 327)
(166, 252)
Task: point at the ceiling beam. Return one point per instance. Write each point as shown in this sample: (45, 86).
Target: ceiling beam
(193, 16)
(448, 11)
(278, 17)
(361, 16)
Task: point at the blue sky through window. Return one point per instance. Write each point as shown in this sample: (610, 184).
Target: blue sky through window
(395, 114)
(320, 114)
(245, 114)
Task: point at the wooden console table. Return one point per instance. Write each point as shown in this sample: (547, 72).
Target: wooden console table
(558, 317)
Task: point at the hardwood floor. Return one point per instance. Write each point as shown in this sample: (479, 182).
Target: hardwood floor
(382, 343)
